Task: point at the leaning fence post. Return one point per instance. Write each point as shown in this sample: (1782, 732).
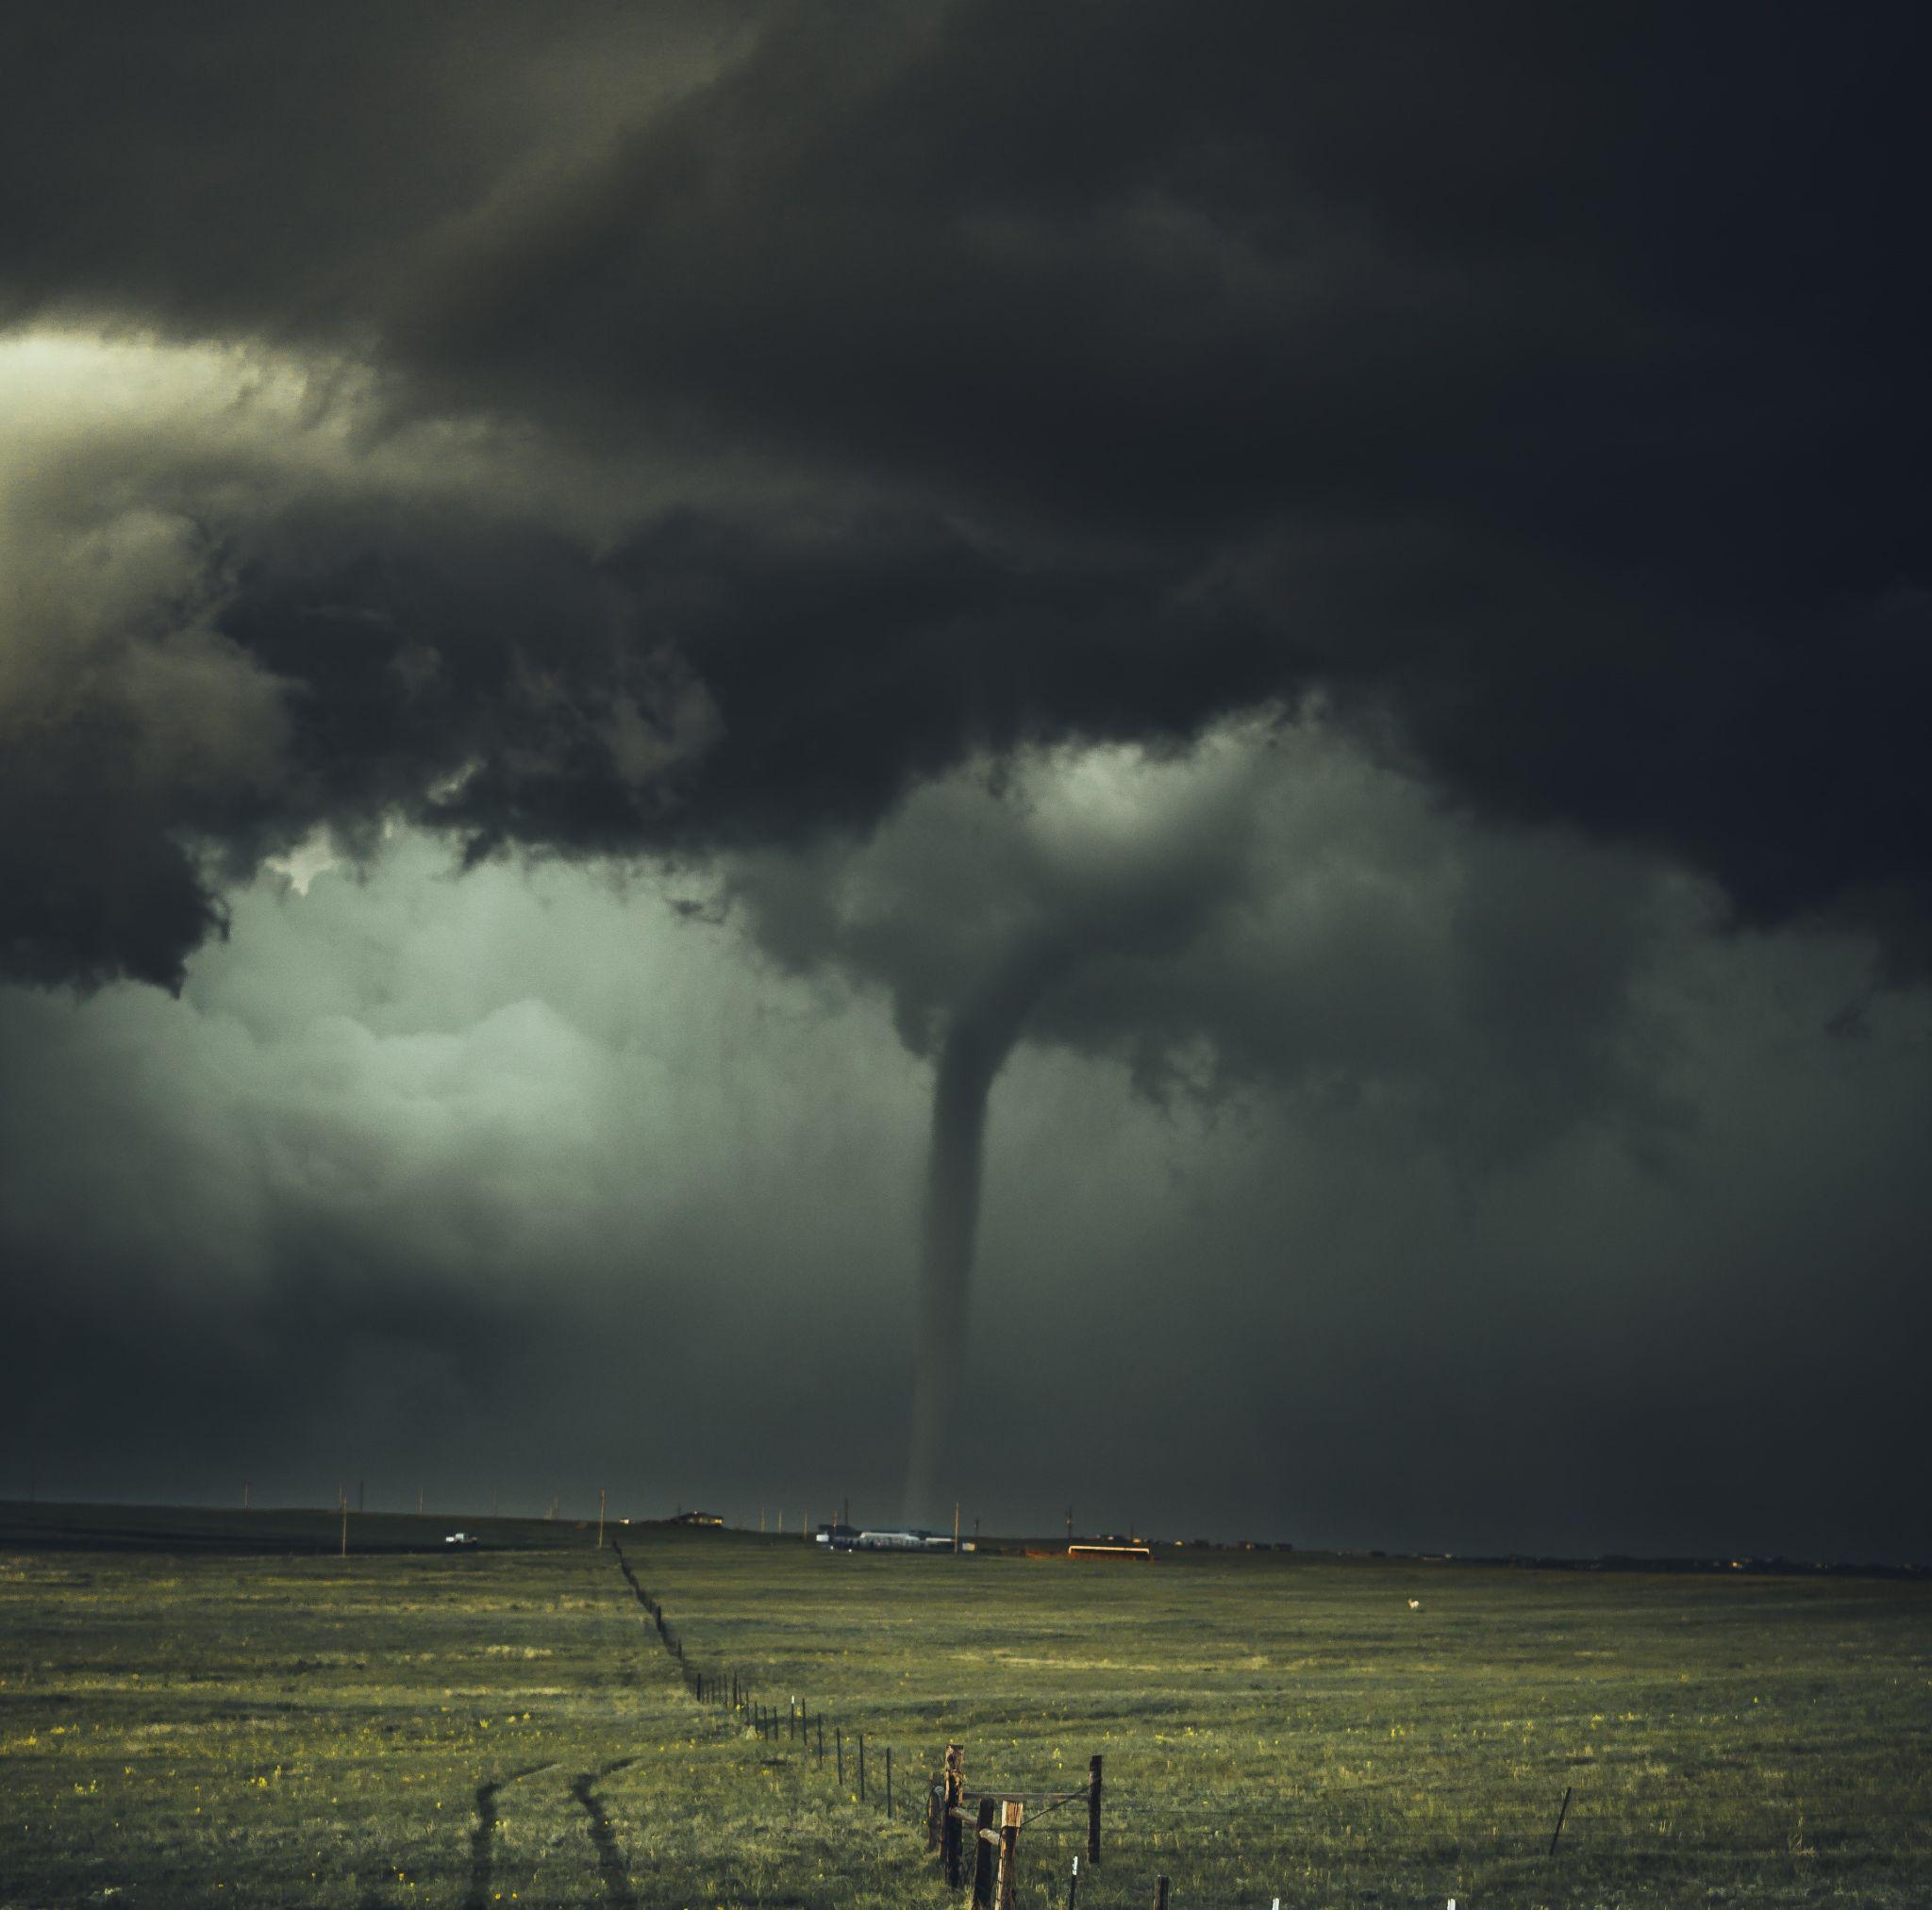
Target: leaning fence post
(1094, 1808)
(985, 1841)
(1010, 1854)
(950, 1826)
(1160, 1893)
(1563, 1811)
(1074, 1885)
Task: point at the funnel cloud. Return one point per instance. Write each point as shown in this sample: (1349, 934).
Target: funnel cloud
(979, 1037)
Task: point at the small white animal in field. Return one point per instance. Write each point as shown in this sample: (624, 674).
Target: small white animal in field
(1415, 1605)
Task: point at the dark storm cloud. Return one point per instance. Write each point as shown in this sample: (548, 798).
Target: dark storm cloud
(1252, 586)
(221, 168)
(1546, 389)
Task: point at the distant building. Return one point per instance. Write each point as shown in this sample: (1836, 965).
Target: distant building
(697, 1519)
(843, 1538)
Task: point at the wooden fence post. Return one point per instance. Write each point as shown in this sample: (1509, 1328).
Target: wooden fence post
(862, 1766)
(1009, 1855)
(839, 1745)
(1160, 1893)
(984, 1842)
(822, 1740)
(1094, 1808)
(889, 1781)
(950, 1826)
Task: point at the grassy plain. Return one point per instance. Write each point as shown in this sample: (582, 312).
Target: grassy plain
(1276, 1726)
(185, 1723)
(203, 1726)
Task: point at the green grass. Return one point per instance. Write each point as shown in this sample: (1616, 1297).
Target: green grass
(1276, 1726)
(187, 1723)
(205, 1727)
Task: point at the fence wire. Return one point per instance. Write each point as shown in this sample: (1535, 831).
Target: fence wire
(1140, 1831)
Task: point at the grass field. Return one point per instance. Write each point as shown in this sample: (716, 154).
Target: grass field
(182, 1721)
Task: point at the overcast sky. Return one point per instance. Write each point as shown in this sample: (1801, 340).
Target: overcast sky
(1244, 689)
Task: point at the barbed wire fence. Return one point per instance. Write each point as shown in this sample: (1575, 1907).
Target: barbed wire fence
(971, 1832)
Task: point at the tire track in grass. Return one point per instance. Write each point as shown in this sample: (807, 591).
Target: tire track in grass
(478, 1896)
(611, 1867)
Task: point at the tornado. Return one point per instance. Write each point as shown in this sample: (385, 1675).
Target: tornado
(979, 1037)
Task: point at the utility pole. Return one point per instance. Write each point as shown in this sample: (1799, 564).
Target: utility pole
(345, 1526)
(600, 1519)
(1070, 1525)
(956, 1528)
(361, 1486)
(246, 1488)
(418, 1501)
